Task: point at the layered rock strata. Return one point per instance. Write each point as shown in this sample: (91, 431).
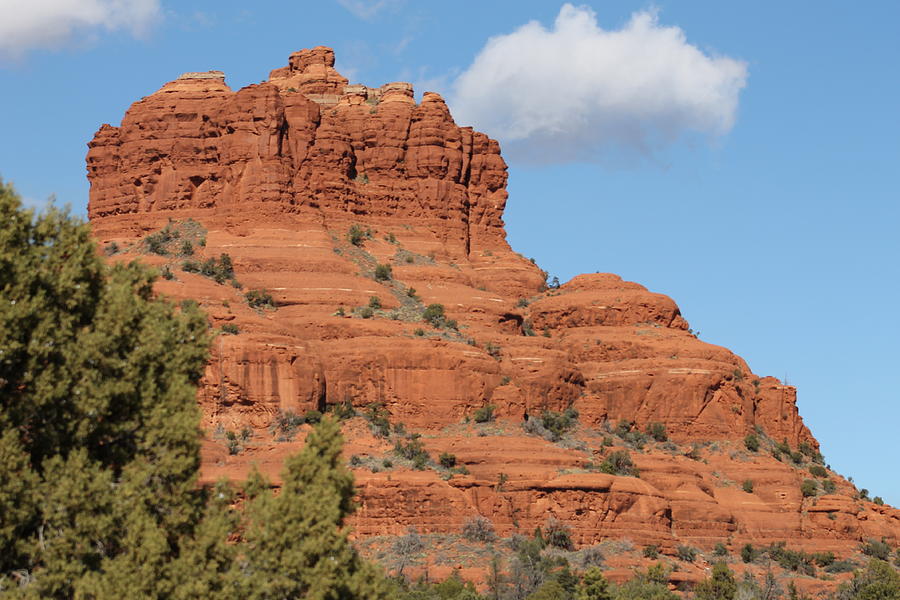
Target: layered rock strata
(278, 174)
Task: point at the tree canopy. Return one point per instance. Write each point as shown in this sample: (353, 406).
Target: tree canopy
(99, 445)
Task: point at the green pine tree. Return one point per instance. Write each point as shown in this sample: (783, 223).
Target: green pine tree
(719, 586)
(594, 586)
(99, 446)
(296, 544)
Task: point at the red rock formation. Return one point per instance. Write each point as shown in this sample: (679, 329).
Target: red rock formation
(278, 173)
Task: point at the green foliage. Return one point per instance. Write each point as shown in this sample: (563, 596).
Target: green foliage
(876, 549)
(748, 486)
(594, 586)
(230, 329)
(485, 414)
(375, 303)
(619, 463)
(558, 534)
(377, 415)
(413, 450)
(343, 410)
(312, 417)
(878, 582)
(686, 553)
(187, 248)
(220, 270)
(651, 551)
(447, 460)
(383, 272)
(286, 424)
(434, 314)
(658, 432)
(809, 488)
(295, 545)
(749, 553)
(720, 549)
(559, 423)
(99, 446)
(823, 559)
(818, 471)
(751, 442)
(356, 235)
(719, 586)
(792, 560)
(647, 585)
(259, 299)
(98, 420)
(479, 529)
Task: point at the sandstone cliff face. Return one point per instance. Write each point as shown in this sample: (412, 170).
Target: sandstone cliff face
(278, 173)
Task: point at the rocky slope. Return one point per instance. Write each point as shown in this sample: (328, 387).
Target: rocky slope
(312, 186)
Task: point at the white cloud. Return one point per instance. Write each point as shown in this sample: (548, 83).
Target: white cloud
(365, 9)
(577, 92)
(31, 24)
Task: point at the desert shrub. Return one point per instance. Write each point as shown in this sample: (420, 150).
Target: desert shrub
(156, 243)
(841, 566)
(719, 586)
(783, 447)
(618, 463)
(111, 248)
(651, 551)
(748, 486)
(809, 488)
(558, 534)
(493, 350)
(479, 529)
(823, 559)
(419, 332)
(751, 442)
(259, 299)
(559, 423)
(413, 450)
(792, 560)
(356, 235)
(375, 302)
(187, 248)
(876, 549)
(434, 314)
(797, 457)
(484, 414)
(807, 449)
(686, 553)
(694, 452)
(720, 549)
(658, 432)
(343, 410)
(878, 500)
(818, 471)
(218, 269)
(377, 415)
(286, 424)
(190, 266)
(312, 416)
(167, 273)
(447, 460)
(408, 545)
(230, 329)
(749, 553)
(383, 272)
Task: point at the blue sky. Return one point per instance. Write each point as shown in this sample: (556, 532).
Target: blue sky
(777, 233)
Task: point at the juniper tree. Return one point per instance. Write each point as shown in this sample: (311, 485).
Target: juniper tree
(99, 445)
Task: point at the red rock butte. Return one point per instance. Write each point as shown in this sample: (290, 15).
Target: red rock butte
(277, 174)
